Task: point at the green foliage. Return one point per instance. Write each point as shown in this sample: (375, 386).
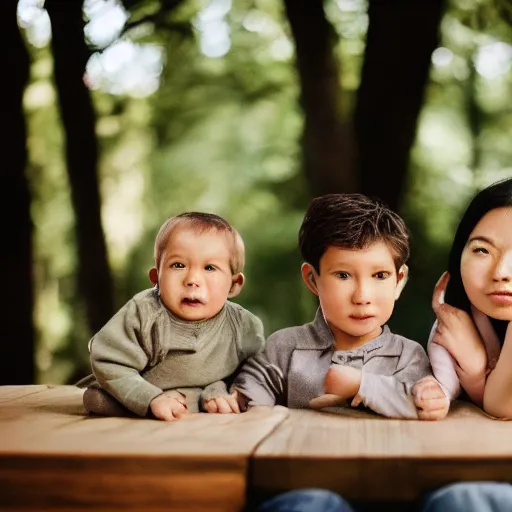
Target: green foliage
(222, 134)
(226, 141)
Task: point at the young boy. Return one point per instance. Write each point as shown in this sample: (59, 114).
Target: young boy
(355, 250)
(169, 350)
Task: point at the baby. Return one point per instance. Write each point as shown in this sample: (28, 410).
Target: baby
(171, 349)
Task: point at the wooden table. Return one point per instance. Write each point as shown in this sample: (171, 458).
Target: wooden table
(55, 458)
(367, 457)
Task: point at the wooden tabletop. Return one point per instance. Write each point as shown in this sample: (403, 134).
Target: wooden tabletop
(54, 457)
(367, 457)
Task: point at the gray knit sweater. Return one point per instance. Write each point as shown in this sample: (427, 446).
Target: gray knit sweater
(144, 350)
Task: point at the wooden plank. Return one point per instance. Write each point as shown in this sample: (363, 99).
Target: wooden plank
(115, 483)
(367, 457)
(54, 457)
(13, 393)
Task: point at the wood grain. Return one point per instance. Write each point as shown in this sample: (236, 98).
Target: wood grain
(367, 457)
(13, 393)
(54, 457)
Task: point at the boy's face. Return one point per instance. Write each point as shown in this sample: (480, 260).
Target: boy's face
(357, 290)
(194, 277)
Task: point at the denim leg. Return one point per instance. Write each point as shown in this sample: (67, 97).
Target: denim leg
(470, 497)
(306, 500)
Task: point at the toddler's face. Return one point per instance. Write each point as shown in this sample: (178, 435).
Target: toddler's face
(486, 264)
(195, 277)
(357, 291)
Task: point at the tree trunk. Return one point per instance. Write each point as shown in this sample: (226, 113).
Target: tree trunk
(402, 35)
(70, 55)
(17, 361)
(327, 141)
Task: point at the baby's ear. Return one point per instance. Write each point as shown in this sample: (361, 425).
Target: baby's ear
(153, 275)
(236, 285)
(403, 276)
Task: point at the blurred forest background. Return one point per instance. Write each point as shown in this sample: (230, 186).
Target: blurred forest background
(119, 114)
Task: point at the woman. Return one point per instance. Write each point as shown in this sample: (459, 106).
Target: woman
(471, 343)
(470, 346)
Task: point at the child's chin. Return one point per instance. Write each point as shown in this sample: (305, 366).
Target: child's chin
(366, 331)
(191, 314)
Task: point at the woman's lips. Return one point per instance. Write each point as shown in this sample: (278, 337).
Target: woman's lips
(501, 297)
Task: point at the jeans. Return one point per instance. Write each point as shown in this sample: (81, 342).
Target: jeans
(306, 500)
(470, 497)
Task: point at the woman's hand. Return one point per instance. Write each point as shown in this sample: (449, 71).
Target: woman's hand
(457, 333)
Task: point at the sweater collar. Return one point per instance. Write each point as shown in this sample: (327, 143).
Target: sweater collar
(321, 337)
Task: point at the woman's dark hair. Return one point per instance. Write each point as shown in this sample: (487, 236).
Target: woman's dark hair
(497, 195)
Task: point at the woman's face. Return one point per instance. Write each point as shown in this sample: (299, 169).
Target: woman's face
(486, 264)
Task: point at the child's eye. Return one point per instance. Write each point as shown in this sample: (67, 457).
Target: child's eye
(209, 268)
(177, 264)
(343, 275)
(480, 250)
(381, 275)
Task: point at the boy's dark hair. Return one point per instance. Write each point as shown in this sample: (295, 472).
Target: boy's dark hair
(351, 221)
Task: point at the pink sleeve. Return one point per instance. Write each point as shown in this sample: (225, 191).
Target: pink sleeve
(450, 375)
(443, 367)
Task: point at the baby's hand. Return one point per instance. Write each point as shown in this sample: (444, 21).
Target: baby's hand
(170, 406)
(430, 400)
(223, 404)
